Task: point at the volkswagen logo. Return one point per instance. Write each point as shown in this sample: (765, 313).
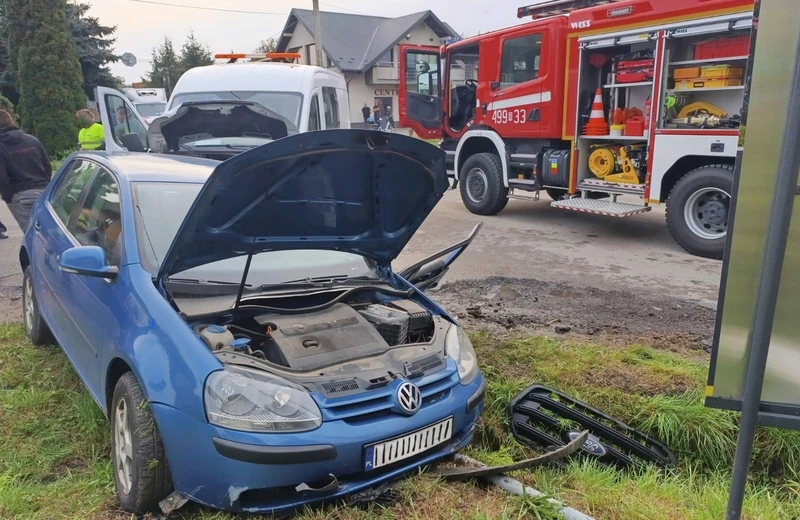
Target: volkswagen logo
(409, 397)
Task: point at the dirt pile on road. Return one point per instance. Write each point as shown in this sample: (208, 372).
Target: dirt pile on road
(561, 308)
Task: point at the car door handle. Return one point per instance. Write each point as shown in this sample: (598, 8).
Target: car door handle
(37, 225)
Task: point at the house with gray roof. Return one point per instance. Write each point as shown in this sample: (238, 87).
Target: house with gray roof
(364, 49)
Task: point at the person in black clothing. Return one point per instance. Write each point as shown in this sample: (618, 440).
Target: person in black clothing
(24, 169)
(3, 230)
(365, 111)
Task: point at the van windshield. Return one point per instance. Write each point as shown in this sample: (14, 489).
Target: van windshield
(287, 104)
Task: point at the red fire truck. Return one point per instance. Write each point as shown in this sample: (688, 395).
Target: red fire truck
(610, 106)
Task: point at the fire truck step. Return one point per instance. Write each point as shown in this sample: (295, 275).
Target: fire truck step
(611, 187)
(600, 207)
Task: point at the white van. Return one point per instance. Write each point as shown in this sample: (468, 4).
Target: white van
(148, 102)
(312, 97)
(249, 102)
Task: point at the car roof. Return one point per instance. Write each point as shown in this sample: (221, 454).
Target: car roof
(153, 167)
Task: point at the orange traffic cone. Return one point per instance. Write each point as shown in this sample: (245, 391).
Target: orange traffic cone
(597, 121)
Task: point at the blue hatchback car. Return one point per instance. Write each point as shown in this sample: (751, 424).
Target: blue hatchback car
(240, 323)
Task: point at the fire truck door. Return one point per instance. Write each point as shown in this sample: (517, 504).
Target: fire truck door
(517, 99)
(419, 96)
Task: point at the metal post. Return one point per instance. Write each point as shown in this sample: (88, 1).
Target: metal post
(318, 35)
(769, 282)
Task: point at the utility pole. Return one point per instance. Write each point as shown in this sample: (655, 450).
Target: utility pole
(318, 35)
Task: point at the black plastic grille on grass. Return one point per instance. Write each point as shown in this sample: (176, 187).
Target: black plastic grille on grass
(545, 418)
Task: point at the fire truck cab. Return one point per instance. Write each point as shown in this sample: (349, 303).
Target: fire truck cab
(593, 101)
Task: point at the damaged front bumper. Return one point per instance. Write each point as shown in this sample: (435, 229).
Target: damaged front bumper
(253, 472)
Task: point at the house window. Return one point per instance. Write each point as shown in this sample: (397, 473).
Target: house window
(387, 58)
(520, 60)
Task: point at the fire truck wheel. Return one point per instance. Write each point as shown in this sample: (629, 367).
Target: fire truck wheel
(697, 210)
(555, 193)
(481, 184)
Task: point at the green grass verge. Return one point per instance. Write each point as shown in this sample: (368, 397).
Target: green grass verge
(54, 454)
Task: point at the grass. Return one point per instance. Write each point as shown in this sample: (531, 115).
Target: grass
(54, 455)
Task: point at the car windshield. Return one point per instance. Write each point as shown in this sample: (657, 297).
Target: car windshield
(227, 142)
(150, 109)
(287, 104)
(160, 210)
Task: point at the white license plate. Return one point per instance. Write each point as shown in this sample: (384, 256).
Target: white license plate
(414, 443)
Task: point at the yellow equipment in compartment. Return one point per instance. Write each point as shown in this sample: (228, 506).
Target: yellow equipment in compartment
(613, 163)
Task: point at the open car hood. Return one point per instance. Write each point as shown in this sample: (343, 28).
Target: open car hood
(358, 191)
(197, 120)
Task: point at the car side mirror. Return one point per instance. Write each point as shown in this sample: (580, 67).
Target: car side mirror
(494, 85)
(87, 261)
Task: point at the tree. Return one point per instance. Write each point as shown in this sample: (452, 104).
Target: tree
(268, 45)
(194, 54)
(95, 48)
(164, 67)
(94, 42)
(49, 76)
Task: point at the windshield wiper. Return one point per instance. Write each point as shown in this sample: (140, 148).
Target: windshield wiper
(324, 281)
(205, 282)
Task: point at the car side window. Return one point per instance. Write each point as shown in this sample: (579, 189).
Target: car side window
(520, 59)
(67, 192)
(99, 222)
(124, 122)
(313, 114)
(331, 104)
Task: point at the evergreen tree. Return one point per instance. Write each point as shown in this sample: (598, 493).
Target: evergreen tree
(95, 44)
(165, 67)
(95, 48)
(194, 54)
(49, 75)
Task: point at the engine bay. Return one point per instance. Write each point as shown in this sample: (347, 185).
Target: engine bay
(340, 333)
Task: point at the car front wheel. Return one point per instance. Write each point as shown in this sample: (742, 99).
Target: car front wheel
(35, 327)
(141, 472)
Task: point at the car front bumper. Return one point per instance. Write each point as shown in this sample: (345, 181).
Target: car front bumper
(254, 472)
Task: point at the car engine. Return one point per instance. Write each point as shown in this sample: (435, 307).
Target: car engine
(336, 334)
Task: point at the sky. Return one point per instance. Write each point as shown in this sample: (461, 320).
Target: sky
(142, 25)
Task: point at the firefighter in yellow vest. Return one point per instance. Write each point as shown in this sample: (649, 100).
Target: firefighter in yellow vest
(91, 135)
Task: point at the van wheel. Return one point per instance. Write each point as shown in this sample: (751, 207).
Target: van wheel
(697, 210)
(481, 184)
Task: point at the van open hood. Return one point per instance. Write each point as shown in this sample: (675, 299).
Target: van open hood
(358, 191)
(203, 121)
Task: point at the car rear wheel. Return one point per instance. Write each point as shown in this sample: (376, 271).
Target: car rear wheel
(35, 327)
(141, 472)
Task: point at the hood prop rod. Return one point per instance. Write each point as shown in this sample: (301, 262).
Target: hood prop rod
(245, 273)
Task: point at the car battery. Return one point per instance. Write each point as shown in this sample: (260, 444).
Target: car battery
(555, 168)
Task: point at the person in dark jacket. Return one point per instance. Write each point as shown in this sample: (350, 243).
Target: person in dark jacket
(25, 169)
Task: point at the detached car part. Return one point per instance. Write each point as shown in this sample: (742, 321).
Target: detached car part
(543, 417)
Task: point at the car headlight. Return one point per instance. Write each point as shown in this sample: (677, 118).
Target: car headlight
(255, 401)
(458, 346)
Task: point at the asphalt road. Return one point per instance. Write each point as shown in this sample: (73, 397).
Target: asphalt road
(527, 240)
